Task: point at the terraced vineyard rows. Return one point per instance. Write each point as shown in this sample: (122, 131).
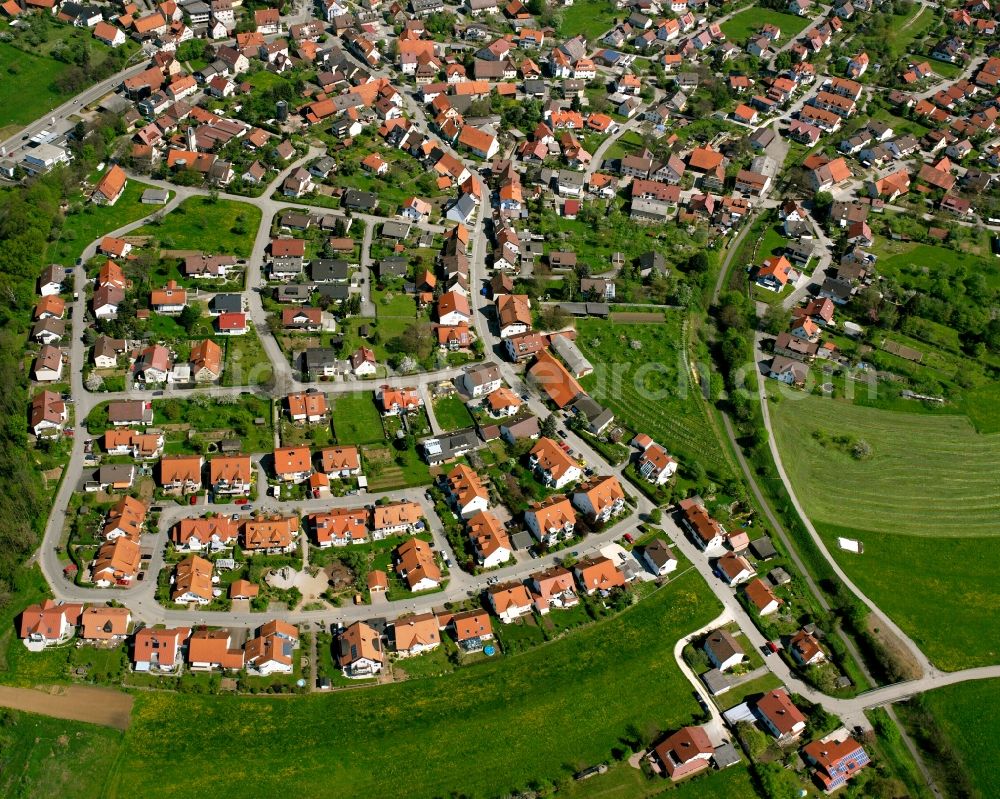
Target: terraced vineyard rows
(648, 386)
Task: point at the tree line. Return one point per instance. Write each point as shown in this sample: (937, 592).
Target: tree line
(29, 219)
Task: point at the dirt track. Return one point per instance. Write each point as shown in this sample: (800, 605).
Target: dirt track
(103, 706)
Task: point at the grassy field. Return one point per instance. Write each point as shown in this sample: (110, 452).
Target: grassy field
(246, 362)
(94, 221)
(951, 590)
(740, 27)
(916, 265)
(924, 503)
(649, 388)
(982, 406)
(903, 30)
(594, 242)
(962, 712)
(42, 756)
(927, 475)
(942, 68)
(213, 226)
(205, 416)
(356, 419)
(442, 725)
(452, 414)
(17, 107)
(592, 18)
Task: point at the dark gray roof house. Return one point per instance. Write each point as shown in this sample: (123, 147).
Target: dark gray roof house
(337, 292)
(322, 167)
(329, 270)
(522, 540)
(762, 137)
(442, 449)
(296, 221)
(395, 230)
(598, 418)
(652, 260)
(227, 303)
(392, 267)
(716, 682)
(762, 548)
(293, 293)
(359, 200)
(318, 359)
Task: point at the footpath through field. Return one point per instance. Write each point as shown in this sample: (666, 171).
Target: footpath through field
(103, 706)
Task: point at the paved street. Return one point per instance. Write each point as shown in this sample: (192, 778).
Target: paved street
(461, 585)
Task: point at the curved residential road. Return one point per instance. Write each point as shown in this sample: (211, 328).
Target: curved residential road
(597, 159)
(716, 728)
(141, 597)
(930, 670)
(84, 401)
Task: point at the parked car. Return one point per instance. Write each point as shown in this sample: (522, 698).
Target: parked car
(629, 537)
(194, 499)
(241, 501)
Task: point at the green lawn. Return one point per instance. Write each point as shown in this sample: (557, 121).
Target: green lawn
(201, 223)
(452, 414)
(418, 738)
(92, 222)
(206, 416)
(734, 696)
(38, 71)
(943, 68)
(612, 231)
(592, 18)
(628, 143)
(246, 362)
(925, 503)
(972, 729)
(983, 408)
(356, 420)
(397, 469)
(903, 30)
(18, 107)
(772, 243)
(42, 756)
(951, 589)
(649, 388)
(901, 125)
(927, 475)
(739, 28)
(917, 265)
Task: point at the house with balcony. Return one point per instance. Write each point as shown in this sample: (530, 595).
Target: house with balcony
(552, 520)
